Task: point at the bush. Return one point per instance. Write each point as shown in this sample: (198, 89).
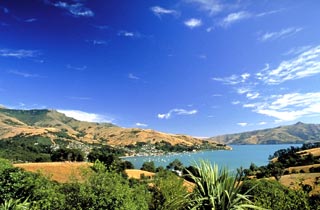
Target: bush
(272, 195)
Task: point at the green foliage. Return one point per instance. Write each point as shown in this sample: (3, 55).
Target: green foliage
(148, 166)
(272, 195)
(106, 189)
(66, 154)
(18, 184)
(30, 117)
(176, 165)
(217, 189)
(26, 148)
(168, 192)
(15, 204)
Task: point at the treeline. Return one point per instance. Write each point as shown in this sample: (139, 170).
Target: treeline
(283, 159)
(41, 149)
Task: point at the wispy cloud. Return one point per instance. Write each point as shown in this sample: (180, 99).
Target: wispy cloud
(262, 14)
(76, 9)
(177, 112)
(279, 34)
(80, 98)
(77, 68)
(159, 11)
(141, 124)
(297, 50)
(21, 53)
(262, 123)
(242, 124)
(233, 79)
(305, 64)
(210, 6)
(30, 20)
(129, 34)
(289, 107)
(235, 17)
(5, 10)
(101, 27)
(86, 116)
(23, 74)
(98, 42)
(132, 76)
(252, 95)
(235, 102)
(193, 23)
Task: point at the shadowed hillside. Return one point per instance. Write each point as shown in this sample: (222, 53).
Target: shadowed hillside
(297, 133)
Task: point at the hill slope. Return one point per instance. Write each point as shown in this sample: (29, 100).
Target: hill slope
(56, 126)
(297, 133)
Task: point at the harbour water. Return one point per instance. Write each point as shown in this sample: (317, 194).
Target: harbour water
(240, 155)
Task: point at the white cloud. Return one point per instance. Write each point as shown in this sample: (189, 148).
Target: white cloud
(76, 9)
(279, 34)
(288, 107)
(131, 76)
(211, 6)
(235, 17)
(80, 98)
(242, 124)
(30, 20)
(252, 95)
(21, 53)
(262, 123)
(23, 74)
(297, 50)
(98, 42)
(243, 90)
(77, 68)
(235, 102)
(141, 124)
(177, 112)
(85, 116)
(129, 34)
(249, 105)
(216, 95)
(245, 76)
(233, 79)
(158, 11)
(304, 65)
(262, 14)
(193, 23)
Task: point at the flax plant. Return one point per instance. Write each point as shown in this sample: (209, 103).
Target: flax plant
(217, 189)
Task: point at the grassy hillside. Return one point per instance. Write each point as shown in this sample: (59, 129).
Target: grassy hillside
(297, 133)
(30, 127)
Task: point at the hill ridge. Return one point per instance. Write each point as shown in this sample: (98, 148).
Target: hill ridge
(297, 133)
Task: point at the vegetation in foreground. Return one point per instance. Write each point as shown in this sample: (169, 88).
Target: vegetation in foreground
(105, 185)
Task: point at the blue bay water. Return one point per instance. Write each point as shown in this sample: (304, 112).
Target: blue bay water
(240, 155)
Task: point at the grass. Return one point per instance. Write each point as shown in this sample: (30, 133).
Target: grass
(59, 171)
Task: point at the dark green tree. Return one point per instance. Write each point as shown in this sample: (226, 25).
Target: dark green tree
(148, 166)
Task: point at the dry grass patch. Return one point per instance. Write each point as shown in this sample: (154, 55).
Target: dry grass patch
(59, 171)
(295, 180)
(137, 174)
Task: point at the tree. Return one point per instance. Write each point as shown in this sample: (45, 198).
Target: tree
(105, 189)
(273, 195)
(168, 192)
(176, 165)
(65, 154)
(217, 189)
(148, 166)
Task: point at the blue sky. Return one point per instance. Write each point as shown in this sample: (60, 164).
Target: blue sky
(197, 67)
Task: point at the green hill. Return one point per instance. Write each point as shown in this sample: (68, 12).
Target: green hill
(56, 128)
(297, 133)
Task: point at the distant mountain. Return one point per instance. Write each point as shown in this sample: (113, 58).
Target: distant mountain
(58, 127)
(297, 133)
